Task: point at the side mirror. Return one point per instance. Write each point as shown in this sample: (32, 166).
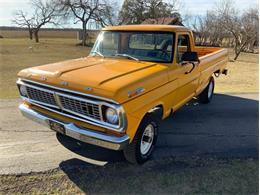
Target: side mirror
(190, 57)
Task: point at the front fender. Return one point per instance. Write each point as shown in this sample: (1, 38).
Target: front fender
(137, 108)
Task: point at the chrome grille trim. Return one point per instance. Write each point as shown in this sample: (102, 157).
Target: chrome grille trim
(76, 106)
(37, 101)
(47, 97)
(60, 108)
(69, 91)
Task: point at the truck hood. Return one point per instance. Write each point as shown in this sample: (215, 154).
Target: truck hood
(106, 77)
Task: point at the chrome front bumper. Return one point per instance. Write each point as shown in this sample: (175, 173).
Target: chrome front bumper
(82, 134)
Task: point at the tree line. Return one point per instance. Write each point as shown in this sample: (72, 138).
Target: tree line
(224, 25)
(102, 12)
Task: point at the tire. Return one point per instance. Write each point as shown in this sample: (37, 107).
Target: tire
(206, 95)
(138, 152)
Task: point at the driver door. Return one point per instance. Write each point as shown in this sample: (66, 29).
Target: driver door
(188, 75)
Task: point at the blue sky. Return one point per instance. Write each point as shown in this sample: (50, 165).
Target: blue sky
(191, 7)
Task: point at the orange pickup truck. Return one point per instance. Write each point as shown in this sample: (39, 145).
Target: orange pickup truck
(134, 77)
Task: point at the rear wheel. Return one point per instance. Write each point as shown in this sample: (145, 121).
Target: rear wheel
(207, 94)
(142, 146)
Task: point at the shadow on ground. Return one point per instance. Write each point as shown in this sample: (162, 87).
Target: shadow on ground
(225, 129)
(228, 127)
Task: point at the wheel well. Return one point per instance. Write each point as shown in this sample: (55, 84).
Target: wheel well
(157, 111)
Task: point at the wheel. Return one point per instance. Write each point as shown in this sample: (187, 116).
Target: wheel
(143, 144)
(207, 94)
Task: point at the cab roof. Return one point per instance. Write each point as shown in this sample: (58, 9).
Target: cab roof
(147, 27)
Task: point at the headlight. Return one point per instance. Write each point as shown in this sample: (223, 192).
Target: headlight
(23, 91)
(111, 116)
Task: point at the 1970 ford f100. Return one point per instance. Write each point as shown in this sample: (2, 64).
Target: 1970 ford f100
(135, 76)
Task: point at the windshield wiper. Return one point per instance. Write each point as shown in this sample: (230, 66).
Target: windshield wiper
(126, 55)
(97, 52)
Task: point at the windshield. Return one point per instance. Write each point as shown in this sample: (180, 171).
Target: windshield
(145, 46)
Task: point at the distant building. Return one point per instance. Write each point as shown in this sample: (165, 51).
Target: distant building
(166, 20)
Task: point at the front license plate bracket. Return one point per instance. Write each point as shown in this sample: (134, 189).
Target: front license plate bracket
(57, 127)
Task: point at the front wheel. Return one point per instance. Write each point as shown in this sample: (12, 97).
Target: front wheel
(142, 146)
(207, 94)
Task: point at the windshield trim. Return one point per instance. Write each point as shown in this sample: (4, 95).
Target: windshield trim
(146, 32)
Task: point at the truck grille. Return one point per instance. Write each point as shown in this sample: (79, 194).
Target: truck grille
(68, 103)
(41, 96)
(80, 107)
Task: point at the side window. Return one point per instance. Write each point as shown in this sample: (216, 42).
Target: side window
(183, 46)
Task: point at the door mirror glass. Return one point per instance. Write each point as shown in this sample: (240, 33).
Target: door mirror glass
(190, 57)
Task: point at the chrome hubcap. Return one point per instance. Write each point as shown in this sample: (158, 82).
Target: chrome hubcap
(210, 91)
(147, 139)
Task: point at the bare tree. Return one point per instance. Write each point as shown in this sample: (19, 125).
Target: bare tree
(22, 20)
(107, 14)
(43, 12)
(243, 28)
(84, 11)
(225, 26)
(200, 29)
(250, 29)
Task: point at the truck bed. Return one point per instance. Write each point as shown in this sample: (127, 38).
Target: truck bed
(212, 60)
(214, 57)
(203, 51)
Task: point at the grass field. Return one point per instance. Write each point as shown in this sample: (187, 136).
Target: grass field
(170, 176)
(242, 76)
(8, 33)
(16, 54)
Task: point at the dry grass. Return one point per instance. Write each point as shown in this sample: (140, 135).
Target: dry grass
(43, 33)
(170, 176)
(17, 54)
(242, 76)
